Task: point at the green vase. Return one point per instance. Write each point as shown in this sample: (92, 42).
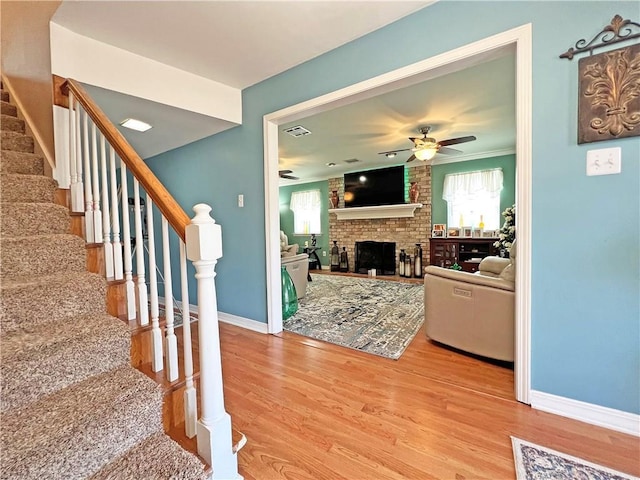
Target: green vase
(289, 295)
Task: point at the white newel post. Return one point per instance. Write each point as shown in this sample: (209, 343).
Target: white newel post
(204, 248)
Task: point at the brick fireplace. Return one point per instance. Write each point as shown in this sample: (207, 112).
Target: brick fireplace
(405, 232)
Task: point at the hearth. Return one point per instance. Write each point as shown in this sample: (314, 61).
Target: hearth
(378, 255)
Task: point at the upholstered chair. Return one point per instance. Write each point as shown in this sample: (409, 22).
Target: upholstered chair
(474, 312)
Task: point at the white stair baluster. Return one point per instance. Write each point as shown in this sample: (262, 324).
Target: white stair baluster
(156, 334)
(118, 273)
(171, 341)
(79, 161)
(97, 214)
(143, 299)
(88, 196)
(204, 248)
(190, 403)
(126, 237)
(75, 188)
(106, 225)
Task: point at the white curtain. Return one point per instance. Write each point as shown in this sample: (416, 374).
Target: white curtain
(473, 198)
(306, 208)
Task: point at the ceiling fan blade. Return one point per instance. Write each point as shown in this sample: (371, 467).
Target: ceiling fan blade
(454, 141)
(394, 151)
(411, 158)
(448, 151)
(289, 177)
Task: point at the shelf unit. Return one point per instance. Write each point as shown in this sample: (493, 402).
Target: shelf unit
(466, 252)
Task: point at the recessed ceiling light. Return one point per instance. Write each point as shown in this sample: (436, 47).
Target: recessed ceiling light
(331, 164)
(390, 154)
(134, 124)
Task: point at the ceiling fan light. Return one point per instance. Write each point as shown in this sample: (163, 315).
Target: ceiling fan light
(425, 153)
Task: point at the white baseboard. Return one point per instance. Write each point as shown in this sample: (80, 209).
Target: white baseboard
(587, 412)
(243, 322)
(229, 318)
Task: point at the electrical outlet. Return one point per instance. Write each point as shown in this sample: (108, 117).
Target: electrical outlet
(241, 200)
(324, 253)
(604, 161)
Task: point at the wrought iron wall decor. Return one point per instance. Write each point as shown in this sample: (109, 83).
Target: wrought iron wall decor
(618, 31)
(609, 93)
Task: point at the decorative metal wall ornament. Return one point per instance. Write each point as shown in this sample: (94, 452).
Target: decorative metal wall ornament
(618, 31)
(609, 93)
(609, 102)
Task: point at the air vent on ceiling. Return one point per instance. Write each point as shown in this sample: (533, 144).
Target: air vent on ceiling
(352, 160)
(297, 131)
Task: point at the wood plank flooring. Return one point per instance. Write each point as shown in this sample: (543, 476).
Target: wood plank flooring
(312, 410)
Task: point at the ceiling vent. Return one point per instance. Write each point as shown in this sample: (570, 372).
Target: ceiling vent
(297, 131)
(352, 160)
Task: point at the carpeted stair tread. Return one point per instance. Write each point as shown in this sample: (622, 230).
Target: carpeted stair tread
(26, 302)
(46, 254)
(4, 96)
(7, 109)
(10, 123)
(27, 188)
(157, 457)
(20, 219)
(21, 162)
(47, 357)
(18, 142)
(76, 431)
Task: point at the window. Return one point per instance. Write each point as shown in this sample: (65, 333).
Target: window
(306, 208)
(472, 197)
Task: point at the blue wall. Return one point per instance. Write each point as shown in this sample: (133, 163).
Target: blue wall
(585, 258)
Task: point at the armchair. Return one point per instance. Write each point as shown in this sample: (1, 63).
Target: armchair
(297, 264)
(287, 250)
(474, 312)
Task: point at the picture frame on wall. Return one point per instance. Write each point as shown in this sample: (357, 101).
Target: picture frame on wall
(453, 232)
(466, 232)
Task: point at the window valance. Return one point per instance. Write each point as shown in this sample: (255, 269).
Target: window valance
(471, 184)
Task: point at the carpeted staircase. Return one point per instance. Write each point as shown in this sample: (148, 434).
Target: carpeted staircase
(71, 406)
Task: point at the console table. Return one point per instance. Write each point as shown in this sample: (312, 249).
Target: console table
(466, 252)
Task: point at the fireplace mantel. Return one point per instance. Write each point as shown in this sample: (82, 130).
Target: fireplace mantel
(381, 211)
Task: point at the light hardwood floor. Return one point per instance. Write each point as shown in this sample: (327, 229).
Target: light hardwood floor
(312, 410)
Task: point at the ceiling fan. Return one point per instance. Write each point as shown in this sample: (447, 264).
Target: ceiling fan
(285, 174)
(426, 147)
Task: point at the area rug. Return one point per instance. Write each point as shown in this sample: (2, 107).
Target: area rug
(534, 462)
(374, 316)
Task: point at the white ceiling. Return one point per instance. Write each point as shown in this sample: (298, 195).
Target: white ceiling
(479, 101)
(240, 43)
(237, 43)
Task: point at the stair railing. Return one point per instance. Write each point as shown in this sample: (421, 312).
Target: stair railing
(94, 146)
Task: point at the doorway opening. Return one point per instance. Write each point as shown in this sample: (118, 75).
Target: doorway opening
(518, 40)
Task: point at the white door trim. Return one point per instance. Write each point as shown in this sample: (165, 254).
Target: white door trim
(519, 39)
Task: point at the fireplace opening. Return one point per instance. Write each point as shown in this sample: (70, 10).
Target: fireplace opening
(378, 255)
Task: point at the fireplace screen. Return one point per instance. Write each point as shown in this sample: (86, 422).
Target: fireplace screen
(378, 255)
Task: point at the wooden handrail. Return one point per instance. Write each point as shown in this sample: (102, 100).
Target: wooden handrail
(172, 211)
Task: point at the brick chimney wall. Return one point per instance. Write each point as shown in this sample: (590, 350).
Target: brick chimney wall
(405, 232)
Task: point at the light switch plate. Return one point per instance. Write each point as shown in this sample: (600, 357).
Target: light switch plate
(241, 200)
(604, 161)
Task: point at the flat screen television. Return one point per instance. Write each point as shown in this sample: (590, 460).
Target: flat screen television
(383, 186)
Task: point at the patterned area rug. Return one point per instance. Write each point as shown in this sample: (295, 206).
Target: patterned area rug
(534, 462)
(374, 316)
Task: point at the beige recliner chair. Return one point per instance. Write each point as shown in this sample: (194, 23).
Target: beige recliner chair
(297, 264)
(474, 312)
